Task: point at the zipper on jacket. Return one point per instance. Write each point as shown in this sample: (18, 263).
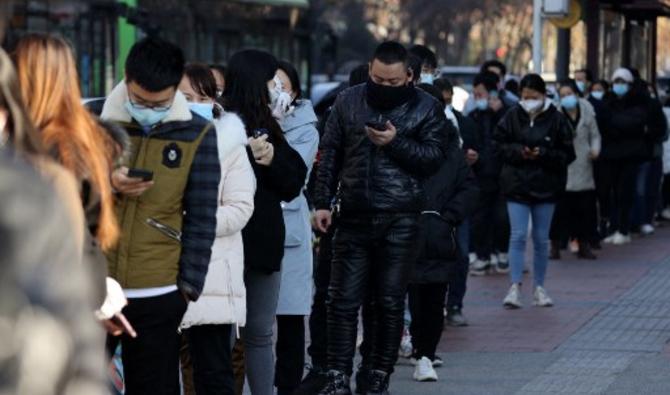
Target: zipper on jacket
(166, 230)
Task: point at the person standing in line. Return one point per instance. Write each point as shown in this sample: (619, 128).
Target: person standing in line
(534, 143)
(210, 323)
(381, 140)
(584, 81)
(576, 213)
(219, 72)
(166, 206)
(295, 292)
(498, 68)
(251, 92)
(490, 243)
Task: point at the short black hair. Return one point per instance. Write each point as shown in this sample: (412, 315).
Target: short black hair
(414, 64)
(201, 78)
(589, 74)
(359, 74)
(292, 74)
(570, 83)
(443, 84)
(426, 55)
(512, 86)
(494, 63)
(487, 78)
(604, 83)
(432, 90)
(391, 52)
(155, 64)
(534, 82)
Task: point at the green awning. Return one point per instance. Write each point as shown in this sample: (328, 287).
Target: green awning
(286, 3)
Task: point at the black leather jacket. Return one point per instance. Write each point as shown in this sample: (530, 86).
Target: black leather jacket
(380, 179)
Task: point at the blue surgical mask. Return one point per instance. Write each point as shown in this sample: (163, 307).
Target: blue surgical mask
(482, 104)
(581, 85)
(427, 78)
(569, 102)
(146, 117)
(620, 89)
(598, 95)
(203, 109)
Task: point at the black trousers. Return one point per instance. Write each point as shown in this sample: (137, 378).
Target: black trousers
(426, 304)
(318, 323)
(490, 225)
(151, 361)
(616, 179)
(290, 351)
(375, 252)
(575, 217)
(211, 354)
(458, 284)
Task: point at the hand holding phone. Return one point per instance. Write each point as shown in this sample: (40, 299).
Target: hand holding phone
(144, 175)
(377, 124)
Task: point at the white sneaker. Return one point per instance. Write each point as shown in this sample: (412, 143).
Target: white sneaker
(610, 239)
(513, 298)
(493, 259)
(503, 258)
(424, 370)
(647, 229)
(665, 214)
(479, 267)
(541, 299)
(620, 239)
(406, 349)
(437, 363)
(472, 257)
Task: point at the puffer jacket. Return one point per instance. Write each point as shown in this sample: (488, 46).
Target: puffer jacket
(540, 180)
(223, 299)
(380, 179)
(451, 196)
(634, 124)
(587, 140)
(487, 168)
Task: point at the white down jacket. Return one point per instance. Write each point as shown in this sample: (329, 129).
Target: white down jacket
(223, 299)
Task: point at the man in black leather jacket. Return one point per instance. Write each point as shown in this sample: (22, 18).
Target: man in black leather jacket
(381, 171)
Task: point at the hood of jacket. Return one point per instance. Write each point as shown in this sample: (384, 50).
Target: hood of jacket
(230, 133)
(302, 115)
(114, 108)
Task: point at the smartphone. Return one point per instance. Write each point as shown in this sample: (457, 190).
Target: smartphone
(377, 124)
(145, 175)
(257, 133)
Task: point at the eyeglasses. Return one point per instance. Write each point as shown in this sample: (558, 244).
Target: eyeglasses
(138, 106)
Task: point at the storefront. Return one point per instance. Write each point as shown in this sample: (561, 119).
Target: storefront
(102, 31)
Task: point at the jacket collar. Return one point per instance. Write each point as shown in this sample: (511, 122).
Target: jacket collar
(301, 116)
(114, 108)
(230, 133)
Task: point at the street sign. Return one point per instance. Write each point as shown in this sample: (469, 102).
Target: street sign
(555, 8)
(571, 19)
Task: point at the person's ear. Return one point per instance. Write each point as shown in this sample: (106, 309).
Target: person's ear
(410, 74)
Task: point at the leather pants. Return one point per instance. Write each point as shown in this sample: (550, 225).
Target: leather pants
(372, 255)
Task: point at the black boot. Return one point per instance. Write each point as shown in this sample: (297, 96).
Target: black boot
(315, 380)
(585, 251)
(555, 253)
(337, 384)
(379, 383)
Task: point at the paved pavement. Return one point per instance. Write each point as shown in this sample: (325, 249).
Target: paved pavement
(607, 334)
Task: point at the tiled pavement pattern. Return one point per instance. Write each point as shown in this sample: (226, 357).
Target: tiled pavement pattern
(606, 335)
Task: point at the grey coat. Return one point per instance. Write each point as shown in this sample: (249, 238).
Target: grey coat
(587, 140)
(295, 292)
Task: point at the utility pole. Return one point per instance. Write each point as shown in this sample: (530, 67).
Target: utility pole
(537, 36)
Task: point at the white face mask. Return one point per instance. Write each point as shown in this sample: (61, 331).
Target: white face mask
(531, 106)
(280, 101)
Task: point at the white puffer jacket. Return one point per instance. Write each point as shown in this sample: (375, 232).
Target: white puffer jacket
(223, 299)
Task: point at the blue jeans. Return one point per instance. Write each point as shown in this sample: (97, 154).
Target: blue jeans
(519, 214)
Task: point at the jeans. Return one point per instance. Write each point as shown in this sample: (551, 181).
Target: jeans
(648, 190)
(290, 348)
(262, 296)
(211, 348)
(151, 360)
(426, 302)
(370, 253)
(519, 214)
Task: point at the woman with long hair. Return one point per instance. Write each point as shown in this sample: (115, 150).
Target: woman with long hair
(251, 92)
(49, 85)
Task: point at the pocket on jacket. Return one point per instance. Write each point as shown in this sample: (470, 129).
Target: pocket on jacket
(438, 238)
(166, 230)
(294, 221)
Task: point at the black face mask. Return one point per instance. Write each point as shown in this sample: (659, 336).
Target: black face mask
(385, 98)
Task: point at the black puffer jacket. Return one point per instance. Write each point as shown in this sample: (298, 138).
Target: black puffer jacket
(451, 196)
(487, 168)
(380, 179)
(540, 180)
(633, 125)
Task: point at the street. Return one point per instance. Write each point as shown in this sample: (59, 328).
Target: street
(607, 333)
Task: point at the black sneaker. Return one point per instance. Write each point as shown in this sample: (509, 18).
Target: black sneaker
(379, 383)
(336, 384)
(315, 380)
(361, 379)
(456, 318)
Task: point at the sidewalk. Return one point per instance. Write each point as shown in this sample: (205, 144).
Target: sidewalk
(607, 333)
